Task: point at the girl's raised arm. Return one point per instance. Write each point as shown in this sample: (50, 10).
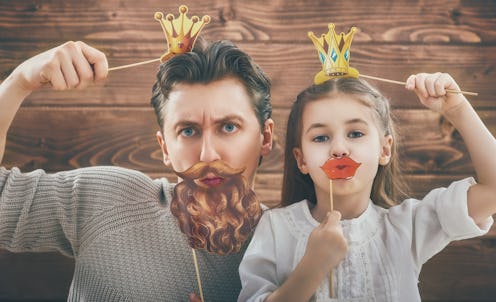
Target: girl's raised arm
(481, 144)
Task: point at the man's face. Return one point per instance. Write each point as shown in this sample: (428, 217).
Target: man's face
(211, 122)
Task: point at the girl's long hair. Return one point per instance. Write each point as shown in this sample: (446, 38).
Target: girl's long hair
(388, 184)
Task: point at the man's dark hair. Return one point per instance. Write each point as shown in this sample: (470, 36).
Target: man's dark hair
(209, 62)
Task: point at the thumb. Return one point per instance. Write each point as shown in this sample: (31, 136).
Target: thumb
(325, 220)
(194, 298)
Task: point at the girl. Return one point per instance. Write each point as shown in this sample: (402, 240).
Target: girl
(374, 248)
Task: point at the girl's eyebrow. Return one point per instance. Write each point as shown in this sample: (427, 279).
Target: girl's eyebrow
(357, 121)
(349, 122)
(314, 126)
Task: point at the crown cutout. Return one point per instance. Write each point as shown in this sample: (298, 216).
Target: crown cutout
(334, 54)
(180, 33)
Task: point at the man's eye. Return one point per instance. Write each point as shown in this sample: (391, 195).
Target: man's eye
(355, 134)
(188, 132)
(320, 138)
(229, 127)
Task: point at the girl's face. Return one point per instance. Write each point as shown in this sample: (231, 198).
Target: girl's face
(338, 126)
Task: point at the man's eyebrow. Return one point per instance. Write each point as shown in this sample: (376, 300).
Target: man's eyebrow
(221, 120)
(185, 123)
(230, 117)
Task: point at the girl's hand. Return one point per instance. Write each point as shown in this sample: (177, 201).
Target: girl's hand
(326, 245)
(431, 90)
(194, 298)
(71, 65)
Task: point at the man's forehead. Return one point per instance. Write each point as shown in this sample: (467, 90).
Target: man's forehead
(218, 100)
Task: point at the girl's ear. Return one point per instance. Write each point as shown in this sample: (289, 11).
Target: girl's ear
(300, 161)
(163, 147)
(387, 145)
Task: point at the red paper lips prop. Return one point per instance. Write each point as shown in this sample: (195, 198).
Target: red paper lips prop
(340, 168)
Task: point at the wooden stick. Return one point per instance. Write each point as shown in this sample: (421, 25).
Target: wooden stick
(331, 288)
(404, 83)
(198, 279)
(134, 64)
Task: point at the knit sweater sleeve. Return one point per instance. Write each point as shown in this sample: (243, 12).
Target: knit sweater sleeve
(43, 212)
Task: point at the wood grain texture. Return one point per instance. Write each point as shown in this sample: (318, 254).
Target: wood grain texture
(60, 138)
(290, 68)
(447, 21)
(114, 125)
(464, 271)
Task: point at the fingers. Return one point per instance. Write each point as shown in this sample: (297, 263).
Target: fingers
(53, 75)
(417, 83)
(74, 65)
(71, 78)
(331, 223)
(430, 85)
(97, 59)
(332, 218)
(431, 82)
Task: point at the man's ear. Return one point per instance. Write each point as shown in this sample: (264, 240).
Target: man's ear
(163, 147)
(267, 137)
(387, 146)
(300, 161)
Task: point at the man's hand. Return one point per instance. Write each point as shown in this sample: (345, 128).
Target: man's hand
(68, 66)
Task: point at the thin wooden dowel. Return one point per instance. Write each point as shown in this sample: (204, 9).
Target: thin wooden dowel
(330, 195)
(198, 279)
(331, 287)
(404, 83)
(134, 64)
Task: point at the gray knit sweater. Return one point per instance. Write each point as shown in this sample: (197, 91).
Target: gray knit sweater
(117, 225)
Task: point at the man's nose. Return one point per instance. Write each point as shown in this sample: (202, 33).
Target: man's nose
(209, 149)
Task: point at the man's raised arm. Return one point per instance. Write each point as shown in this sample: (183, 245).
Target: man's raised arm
(73, 65)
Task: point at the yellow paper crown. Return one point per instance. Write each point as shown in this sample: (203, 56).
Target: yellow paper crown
(181, 33)
(334, 54)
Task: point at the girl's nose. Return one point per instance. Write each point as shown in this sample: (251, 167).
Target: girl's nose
(339, 149)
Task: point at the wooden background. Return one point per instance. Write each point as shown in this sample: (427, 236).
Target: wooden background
(114, 124)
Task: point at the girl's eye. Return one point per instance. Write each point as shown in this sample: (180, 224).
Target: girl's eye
(188, 132)
(355, 134)
(229, 127)
(320, 138)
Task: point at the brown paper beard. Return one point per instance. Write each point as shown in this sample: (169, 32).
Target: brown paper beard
(218, 219)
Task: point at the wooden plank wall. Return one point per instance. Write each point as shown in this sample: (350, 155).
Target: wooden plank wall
(114, 125)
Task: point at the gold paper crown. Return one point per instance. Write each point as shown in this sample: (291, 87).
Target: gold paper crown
(181, 33)
(334, 54)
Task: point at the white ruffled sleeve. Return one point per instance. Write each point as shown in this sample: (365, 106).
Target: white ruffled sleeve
(454, 219)
(440, 217)
(258, 267)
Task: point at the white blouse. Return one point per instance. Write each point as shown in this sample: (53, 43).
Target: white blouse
(386, 247)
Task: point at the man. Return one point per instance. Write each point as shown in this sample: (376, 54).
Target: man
(212, 105)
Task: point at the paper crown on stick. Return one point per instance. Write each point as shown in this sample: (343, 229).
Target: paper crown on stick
(334, 54)
(181, 33)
